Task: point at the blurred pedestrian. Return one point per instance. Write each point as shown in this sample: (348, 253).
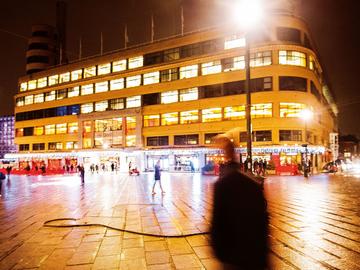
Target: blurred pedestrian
(157, 177)
(239, 221)
(82, 173)
(8, 171)
(2, 177)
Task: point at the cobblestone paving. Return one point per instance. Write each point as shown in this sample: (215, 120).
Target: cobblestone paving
(315, 223)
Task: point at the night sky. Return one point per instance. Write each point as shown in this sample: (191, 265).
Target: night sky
(335, 25)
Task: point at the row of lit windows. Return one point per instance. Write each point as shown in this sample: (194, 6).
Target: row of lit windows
(51, 146)
(63, 128)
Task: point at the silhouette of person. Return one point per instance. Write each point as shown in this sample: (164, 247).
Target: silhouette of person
(239, 222)
(157, 178)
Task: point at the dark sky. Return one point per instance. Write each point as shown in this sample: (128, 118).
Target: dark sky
(335, 25)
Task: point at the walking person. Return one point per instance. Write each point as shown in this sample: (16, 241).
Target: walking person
(82, 173)
(157, 177)
(2, 177)
(239, 226)
(8, 171)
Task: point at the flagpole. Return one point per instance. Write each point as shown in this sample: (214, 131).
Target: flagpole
(182, 20)
(152, 28)
(126, 37)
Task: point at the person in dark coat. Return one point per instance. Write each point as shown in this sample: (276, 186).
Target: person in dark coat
(157, 177)
(82, 173)
(239, 225)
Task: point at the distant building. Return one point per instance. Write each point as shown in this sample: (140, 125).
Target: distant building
(349, 146)
(7, 135)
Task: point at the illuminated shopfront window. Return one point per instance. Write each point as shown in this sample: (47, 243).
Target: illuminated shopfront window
(90, 72)
(104, 69)
(189, 71)
(136, 62)
(101, 87)
(211, 67)
(211, 115)
(234, 41)
(65, 77)
(293, 58)
(291, 109)
(234, 113)
(87, 126)
(87, 108)
(32, 85)
(87, 89)
(261, 110)
(87, 143)
(117, 84)
(189, 117)
(39, 98)
(101, 106)
(133, 102)
(61, 128)
(131, 140)
(54, 79)
(42, 82)
(133, 81)
(49, 96)
(76, 74)
(117, 104)
(49, 129)
(74, 91)
(189, 94)
(169, 97)
(259, 59)
(20, 101)
(23, 86)
(168, 119)
(108, 132)
(119, 65)
(233, 63)
(130, 123)
(29, 100)
(152, 77)
(38, 131)
(152, 120)
(72, 127)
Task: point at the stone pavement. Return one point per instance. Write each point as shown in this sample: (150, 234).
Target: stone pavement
(315, 223)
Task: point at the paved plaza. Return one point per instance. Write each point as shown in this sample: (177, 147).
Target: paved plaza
(314, 222)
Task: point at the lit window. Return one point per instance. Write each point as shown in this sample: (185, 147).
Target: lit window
(87, 108)
(117, 84)
(73, 127)
(233, 63)
(54, 79)
(23, 86)
(49, 129)
(87, 89)
(70, 145)
(20, 101)
(234, 41)
(151, 120)
(42, 82)
(89, 72)
(211, 68)
(311, 62)
(39, 98)
(32, 85)
(152, 77)
(135, 62)
(131, 140)
(59, 146)
(73, 91)
(87, 143)
(168, 119)
(119, 65)
(133, 102)
(188, 71)
(29, 100)
(117, 104)
(87, 126)
(104, 69)
(133, 81)
(101, 106)
(291, 109)
(130, 123)
(65, 77)
(259, 59)
(234, 113)
(189, 117)
(38, 131)
(169, 97)
(261, 110)
(211, 115)
(293, 58)
(49, 96)
(76, 74)
(189, 94)
(61, 94)
(61, 128)
(101, 87)
(169, 75)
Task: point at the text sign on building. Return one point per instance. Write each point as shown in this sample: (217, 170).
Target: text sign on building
(334, 144)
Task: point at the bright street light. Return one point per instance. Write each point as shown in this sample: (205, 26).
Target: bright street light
(247, 13)
(307, 114)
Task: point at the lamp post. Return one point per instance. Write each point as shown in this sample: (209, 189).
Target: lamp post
(307, 115)
(248, 104)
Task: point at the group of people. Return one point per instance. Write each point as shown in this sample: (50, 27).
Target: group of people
(259, 167)
(103, 167)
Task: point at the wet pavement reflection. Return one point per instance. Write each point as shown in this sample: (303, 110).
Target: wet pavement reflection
(314, 222)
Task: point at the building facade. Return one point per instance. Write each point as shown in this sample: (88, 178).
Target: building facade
(7, 135)
(167, 100)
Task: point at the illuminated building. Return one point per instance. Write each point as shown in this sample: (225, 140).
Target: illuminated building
(167, 99)
(7, 135)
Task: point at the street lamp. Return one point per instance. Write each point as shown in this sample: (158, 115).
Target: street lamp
(248, 15)
(306, 115)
